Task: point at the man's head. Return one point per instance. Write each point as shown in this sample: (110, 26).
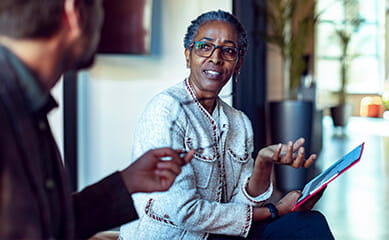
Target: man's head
(91, 21)
(44, 19)
(30, 18)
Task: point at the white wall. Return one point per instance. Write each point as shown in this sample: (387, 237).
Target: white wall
(114, 92)
(56, 116)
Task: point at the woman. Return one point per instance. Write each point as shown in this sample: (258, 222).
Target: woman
(221, 192)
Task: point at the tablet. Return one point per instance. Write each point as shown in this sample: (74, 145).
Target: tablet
(328, 175)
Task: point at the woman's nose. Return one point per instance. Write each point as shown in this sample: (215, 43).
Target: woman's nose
(216, 56)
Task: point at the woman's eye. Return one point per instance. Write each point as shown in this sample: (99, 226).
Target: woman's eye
(205, 47)
(229, 50)
(202, 46)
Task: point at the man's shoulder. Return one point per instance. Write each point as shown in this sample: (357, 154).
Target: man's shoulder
(6, 73)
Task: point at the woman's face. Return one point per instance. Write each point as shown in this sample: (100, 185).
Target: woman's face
(208, 75)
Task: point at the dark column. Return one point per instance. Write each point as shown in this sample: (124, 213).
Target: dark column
(250, 89)
(70, 126)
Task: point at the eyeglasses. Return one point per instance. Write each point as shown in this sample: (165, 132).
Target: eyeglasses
(174, 125)
(206, 49)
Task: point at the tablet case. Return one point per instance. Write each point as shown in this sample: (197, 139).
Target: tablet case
(323, 179)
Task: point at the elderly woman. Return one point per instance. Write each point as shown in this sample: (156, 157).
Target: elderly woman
(221, 193)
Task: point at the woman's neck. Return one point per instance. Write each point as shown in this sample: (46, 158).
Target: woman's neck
(209, 104)
(206, 99)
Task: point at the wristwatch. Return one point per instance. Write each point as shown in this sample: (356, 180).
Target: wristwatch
(273, 211)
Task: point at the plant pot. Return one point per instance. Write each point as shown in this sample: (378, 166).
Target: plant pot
(290, 120)
(341, 114)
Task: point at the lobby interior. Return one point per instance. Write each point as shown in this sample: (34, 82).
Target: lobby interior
(99, 136)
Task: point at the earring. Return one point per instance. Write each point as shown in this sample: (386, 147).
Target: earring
(236, 75)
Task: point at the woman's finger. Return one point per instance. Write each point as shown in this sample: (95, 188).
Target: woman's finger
(298, 143)
(277, 152)
(310, 160)
(299, 160)
(288, 158)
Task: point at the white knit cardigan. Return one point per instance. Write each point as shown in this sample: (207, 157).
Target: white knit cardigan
(209, 196)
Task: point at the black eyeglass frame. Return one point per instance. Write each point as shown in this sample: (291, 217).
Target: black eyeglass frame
(238, 50)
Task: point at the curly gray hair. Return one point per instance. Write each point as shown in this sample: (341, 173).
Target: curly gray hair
(216, 16)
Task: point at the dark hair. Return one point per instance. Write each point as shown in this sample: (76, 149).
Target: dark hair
(216, 16)
(34, 18)
(30, 18)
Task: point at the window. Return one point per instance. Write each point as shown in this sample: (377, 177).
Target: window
(367, 69)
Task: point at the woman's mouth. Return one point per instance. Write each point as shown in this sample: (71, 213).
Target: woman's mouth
(212, 74)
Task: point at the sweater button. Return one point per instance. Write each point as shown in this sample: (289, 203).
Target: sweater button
(49, 184)
(42, 125)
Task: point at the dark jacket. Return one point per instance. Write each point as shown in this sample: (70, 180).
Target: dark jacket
(25, 203)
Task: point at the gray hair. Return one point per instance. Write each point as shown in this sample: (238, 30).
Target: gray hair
(216, 16)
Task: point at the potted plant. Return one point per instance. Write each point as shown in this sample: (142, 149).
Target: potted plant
(291, 25)
(344, 31)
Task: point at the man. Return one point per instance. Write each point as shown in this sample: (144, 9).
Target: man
(39, 40)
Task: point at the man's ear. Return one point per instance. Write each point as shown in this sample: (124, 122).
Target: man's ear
(72, 17)
(187, 57)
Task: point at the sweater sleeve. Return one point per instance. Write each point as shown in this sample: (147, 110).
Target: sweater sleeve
(102, 206)
(241, 194)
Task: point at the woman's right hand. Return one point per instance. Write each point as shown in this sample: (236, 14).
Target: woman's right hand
(287, 203)
(284, 206)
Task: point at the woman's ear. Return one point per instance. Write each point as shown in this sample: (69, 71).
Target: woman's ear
(187, 57)
(237, 66)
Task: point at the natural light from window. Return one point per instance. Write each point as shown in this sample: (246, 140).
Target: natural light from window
(366, 73)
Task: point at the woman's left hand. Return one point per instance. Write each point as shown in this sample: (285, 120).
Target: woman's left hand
(291, 154)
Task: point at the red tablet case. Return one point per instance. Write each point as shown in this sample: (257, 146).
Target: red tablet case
(335, 169)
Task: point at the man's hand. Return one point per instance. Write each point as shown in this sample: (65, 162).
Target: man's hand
(150, 173)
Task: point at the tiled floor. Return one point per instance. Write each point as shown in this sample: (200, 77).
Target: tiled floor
(357, 203)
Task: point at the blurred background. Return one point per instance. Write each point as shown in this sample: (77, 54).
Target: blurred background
(333, 60)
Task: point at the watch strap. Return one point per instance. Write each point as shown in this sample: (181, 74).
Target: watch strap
(273, 210)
